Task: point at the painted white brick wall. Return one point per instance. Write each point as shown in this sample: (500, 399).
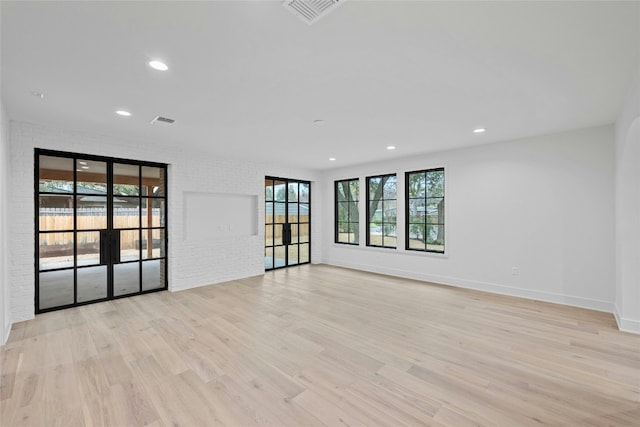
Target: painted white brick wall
(191, 263)
(5, 298)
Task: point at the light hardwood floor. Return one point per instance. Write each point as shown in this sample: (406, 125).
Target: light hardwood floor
(318, 345)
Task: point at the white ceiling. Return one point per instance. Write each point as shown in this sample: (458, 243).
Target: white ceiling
(247, 79)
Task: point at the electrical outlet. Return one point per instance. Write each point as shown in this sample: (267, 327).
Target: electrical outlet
(515, 271)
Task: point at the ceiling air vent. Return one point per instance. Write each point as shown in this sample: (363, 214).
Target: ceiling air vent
(311, 10)
(162, 120)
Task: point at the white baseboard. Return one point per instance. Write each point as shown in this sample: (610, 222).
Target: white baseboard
(626, 325)
(569, 300)
(214, 282)
(5, 334)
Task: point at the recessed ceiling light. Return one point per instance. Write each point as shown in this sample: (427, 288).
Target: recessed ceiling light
(479, 130)
(391, 147)
(123, 113)
(84, 167)
(82, 163)
(158, 65)
(332, 159)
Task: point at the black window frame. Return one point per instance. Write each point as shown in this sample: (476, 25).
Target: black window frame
(336, 212)
(382, 200)
(425, 221)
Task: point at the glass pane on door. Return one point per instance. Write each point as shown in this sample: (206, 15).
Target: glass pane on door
(279, 212)
(280, 191)
(126, 278)
(55, 175)
(92, 283)
(279, 256)
(268, 190)
(304, 192)
(153, 243)
(126, 212)
(55, 250)
(293, 192)
(91, 177)
(268, 258)
(152, 274)
(278, 234)
(293, 254)
(88, 248)
(152, 214)
(55, 288)
(305, 253)
(268, 213)
(55, 212)
(294, 234)
(91, 212)
(130, 245)
(126, 180)
(303, 233)
(292, 212)
(153, 182)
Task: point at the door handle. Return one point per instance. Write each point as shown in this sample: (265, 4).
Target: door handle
(115, 247)
(109, 247)
(286, 234)
(104, 247)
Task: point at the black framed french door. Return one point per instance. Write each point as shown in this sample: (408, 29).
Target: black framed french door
(287, 225)
(100, 226)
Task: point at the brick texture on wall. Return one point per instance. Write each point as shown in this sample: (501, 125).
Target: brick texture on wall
(191, 263)
(5, 294)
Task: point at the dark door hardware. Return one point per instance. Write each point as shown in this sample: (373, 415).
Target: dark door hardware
(286, 234)
(109, 247)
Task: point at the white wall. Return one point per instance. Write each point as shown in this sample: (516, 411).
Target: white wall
(5, 307)
(543, 204)
(191, 262)
(627, 185)
(5, 304)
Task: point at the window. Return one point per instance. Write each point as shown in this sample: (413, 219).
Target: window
(425, 210)
(381, 211)
(347, 214)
